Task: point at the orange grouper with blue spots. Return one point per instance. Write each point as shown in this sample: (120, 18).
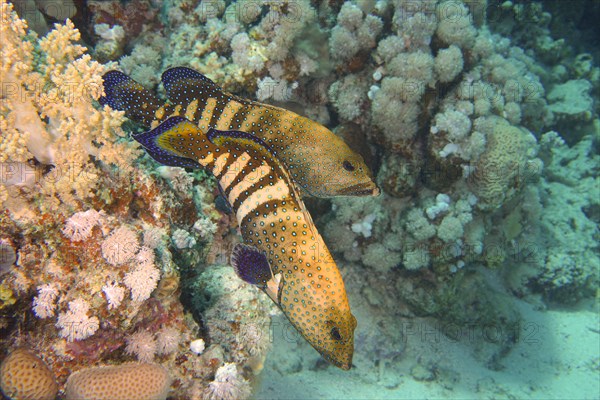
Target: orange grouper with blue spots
(316, 159)
(282, 254)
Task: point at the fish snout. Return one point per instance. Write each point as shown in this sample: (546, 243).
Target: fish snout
(340, 358)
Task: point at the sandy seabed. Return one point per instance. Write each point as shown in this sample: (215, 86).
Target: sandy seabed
(557, 356)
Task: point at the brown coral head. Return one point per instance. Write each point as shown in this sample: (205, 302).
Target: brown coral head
(23, 375)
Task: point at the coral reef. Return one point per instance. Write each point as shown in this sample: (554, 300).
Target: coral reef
(462, 115)
(566, 241)
(92, 264)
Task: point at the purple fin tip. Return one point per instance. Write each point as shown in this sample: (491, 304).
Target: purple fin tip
(251, 265)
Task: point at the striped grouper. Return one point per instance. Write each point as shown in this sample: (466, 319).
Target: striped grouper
(282, 254)
(317, 160)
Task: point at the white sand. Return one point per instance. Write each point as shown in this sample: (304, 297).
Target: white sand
(557, 357)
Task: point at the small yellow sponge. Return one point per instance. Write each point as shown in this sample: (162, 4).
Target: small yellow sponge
(132, 381)
(25, 376)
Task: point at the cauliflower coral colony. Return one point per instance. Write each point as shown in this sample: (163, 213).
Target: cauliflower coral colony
(113, 266)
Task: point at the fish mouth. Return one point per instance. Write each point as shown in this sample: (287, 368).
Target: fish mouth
(345, 365)
(361, 189)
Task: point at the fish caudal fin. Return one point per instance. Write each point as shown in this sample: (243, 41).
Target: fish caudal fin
(124, 94)
(251, 265)
(157, 145)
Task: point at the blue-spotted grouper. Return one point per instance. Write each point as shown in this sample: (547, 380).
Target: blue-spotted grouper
(283, 253)
(317, 160)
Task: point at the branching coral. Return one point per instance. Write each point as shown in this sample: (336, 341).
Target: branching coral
(47, 105)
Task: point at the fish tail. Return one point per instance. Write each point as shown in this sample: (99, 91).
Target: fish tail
(158, 142)
(124, 94)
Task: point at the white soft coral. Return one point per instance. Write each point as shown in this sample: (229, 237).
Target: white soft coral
(143, 345)
(120, 246)
(228, 384)
(142, 281)
(75, 324)
(44, 303)
(79, 227)
(114, 294)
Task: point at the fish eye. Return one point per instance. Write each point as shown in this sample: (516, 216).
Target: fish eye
(348, 166)
(335, 334)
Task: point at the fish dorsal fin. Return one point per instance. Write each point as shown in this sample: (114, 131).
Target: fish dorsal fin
(176, 74)
(124, 94)
(157, 144)
(185, 84)
(200, 98)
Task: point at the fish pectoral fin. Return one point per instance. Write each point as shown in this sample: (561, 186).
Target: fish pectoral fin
(222, 203)
(251, 265)
(157, 145)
